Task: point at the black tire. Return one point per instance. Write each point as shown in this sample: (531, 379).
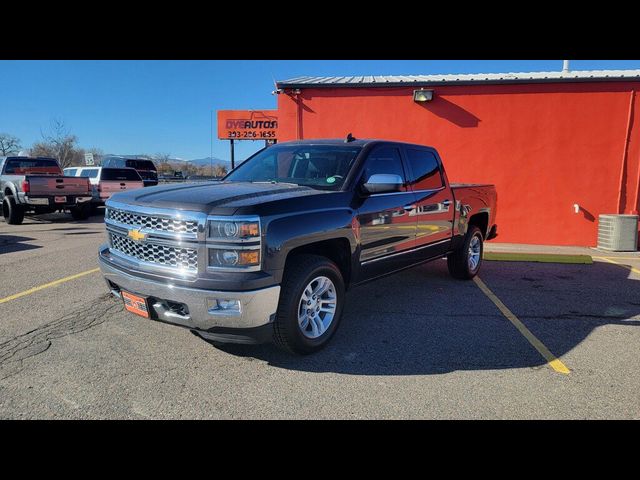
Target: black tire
(81, 212)
(300, 272)
(12, 212)
(458, 261)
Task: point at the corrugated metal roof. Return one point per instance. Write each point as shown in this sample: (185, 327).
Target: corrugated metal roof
(461, 79)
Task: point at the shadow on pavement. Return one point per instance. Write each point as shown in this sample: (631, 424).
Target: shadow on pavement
(97, 214)
(423, 322)
(14, 243)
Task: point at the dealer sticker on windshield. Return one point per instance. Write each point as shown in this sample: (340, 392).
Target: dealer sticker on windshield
(331, 180)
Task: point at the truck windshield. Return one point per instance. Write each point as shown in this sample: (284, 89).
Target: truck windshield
(317, 166)
(32, 166)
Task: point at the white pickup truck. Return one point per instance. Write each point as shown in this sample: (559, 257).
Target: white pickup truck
(106, 181)
(37, 185)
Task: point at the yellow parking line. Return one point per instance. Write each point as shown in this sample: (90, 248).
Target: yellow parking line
(551, 359)
(47, 285)
(629, 267)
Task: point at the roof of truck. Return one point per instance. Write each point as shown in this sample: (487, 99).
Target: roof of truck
(358, 142)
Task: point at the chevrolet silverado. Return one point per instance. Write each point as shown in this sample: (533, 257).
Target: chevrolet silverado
(268, 252)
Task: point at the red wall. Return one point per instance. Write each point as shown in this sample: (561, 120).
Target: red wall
(544, 146)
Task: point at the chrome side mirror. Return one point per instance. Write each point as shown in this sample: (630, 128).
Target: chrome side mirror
(383, 183)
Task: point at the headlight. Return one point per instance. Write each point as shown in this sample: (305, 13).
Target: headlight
(234, 243)
(234, 230)
(229, 258)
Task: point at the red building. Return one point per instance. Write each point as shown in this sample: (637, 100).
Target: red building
(548, 140)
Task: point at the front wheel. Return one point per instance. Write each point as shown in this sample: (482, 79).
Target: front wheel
(465, 262)
(310, 307)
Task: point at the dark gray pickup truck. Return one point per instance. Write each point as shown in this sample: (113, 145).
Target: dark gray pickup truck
(268, 252)
(37, 185)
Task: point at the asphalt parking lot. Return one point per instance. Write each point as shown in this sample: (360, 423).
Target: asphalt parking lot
(414, 345)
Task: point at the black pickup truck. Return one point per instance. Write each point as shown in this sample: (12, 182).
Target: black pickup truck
(268, 252)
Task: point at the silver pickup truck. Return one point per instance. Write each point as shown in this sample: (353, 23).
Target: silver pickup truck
(37, 185)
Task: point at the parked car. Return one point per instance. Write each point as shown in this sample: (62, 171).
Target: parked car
(36, 185)
(268, 252)
(106, 181)
(146, 168)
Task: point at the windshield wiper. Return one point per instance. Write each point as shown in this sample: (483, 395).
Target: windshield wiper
(273, 182)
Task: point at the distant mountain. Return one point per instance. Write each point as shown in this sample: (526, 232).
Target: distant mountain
(200, 162)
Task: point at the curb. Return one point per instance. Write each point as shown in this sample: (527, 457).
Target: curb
(537, 257)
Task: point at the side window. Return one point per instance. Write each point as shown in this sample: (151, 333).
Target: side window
(426, 172)
(384, 160)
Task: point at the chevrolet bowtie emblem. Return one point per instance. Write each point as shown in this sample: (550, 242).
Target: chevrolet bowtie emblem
(136, 235)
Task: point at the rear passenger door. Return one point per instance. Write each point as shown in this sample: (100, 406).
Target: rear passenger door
(387, 232)
(434, 202)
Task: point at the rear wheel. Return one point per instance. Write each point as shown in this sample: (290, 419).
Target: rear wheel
(82, 211)
(310, 307)
(465, 262)
(12, 212)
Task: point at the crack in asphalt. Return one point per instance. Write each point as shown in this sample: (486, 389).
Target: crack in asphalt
(15, 351)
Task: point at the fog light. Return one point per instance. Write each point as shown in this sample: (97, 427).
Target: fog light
(219, 305)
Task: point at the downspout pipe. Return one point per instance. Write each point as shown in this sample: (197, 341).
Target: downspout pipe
(636, 203)
(620, 207)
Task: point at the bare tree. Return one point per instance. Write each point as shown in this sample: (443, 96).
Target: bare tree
(161, 158)
(59, 144)
(219, 170)
(9, 144)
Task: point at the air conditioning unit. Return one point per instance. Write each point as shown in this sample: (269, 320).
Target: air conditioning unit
(618, 233)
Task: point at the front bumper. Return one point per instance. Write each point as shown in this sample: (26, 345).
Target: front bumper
(257, 307)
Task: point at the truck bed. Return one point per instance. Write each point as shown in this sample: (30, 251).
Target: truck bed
(473, 198)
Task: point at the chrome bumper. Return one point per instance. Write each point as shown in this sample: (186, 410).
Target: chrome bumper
(257, 307)
(46, 200)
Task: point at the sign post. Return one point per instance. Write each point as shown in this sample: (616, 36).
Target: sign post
(233, 164)
(247, 125)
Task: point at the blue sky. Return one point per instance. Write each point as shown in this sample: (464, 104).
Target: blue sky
(153, 107)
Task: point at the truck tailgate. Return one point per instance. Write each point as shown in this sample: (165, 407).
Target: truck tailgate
(57, 185)
(109, 187)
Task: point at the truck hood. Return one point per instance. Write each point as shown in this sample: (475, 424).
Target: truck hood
(211, 197)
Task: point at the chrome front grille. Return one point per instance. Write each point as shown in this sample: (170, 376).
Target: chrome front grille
(153, 222)
(168, 256)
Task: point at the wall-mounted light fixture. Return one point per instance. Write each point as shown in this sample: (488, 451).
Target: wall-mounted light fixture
(422, 95)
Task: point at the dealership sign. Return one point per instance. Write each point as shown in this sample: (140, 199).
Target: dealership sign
(247, 124)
